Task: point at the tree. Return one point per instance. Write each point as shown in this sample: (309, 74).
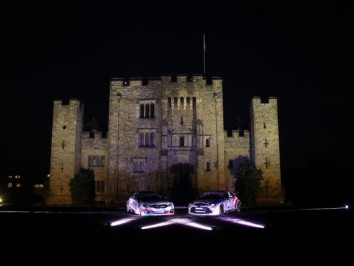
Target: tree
(82, 187)
(248, 179)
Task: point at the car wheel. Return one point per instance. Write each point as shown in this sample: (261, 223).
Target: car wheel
(238, 205)
(222, 210)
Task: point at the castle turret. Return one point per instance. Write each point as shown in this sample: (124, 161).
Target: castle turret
(265, 151)
(65, 150)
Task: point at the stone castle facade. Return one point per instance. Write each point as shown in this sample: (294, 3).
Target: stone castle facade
(166, 134)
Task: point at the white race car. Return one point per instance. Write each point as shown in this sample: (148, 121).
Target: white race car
(149, 203)
(215, 203)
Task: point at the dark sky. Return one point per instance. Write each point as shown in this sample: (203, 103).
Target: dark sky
(298, 51)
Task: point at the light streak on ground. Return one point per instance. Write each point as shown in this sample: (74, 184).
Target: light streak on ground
(121, 221)
(199, 226)
(156, 225)
(187, 222)
(345, 207)
(242, 222)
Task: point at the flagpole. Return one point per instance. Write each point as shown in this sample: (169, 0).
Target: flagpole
(204, 48)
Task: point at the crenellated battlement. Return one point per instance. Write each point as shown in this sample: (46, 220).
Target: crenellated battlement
(72, 102)
(236, 134)
(92, 135)
(269, 100)
(93, 140)
(238, 139)
(179, 79)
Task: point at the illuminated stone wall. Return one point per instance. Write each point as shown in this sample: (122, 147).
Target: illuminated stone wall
(65, 149)
(165, 134)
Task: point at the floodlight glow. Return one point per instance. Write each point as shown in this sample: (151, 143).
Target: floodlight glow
(193, 224)
(178, 221)
(242, 222)
(156, 225)
(321, 209)
(199, 226)
(122, 221)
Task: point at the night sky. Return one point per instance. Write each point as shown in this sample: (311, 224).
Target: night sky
(300, 52)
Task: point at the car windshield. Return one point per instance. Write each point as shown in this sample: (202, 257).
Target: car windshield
(150, 197)
(210, 195)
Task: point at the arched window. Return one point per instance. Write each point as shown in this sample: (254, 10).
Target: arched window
(207, 142)
(141, 110)
(136, 167)
(152, 110)
(169, 103)
(141, 167)
(152, 141)
(182, 102)
(141, 139)
(188, 103)
(147, 110)
(147, 138)
(181, 141)
(175, 102)
(208, 166)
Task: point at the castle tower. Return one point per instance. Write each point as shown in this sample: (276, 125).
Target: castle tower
(265, 148)
(166, 135)
(65, 150)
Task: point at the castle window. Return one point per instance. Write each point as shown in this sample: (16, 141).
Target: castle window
(169, 103)
(147, 110)
(266, 163)
(99, 186)
(175, 102)
(138, 165)
(264, 125)
(188, 103)
(135, 167)
(141, 139)
(141, 110)
(152, 140)
(147, 138)
(182, 120)
(208, 168)
(207, 142)
(182, 102)
(266, 143)
(181, 141)
(152, 110)
(96, 161)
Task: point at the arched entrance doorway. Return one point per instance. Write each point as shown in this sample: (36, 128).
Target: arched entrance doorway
(182, 191)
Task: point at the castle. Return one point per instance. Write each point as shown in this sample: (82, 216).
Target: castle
(165, 134)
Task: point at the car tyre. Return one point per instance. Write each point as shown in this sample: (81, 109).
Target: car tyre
(238, 205)
(222, 210)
